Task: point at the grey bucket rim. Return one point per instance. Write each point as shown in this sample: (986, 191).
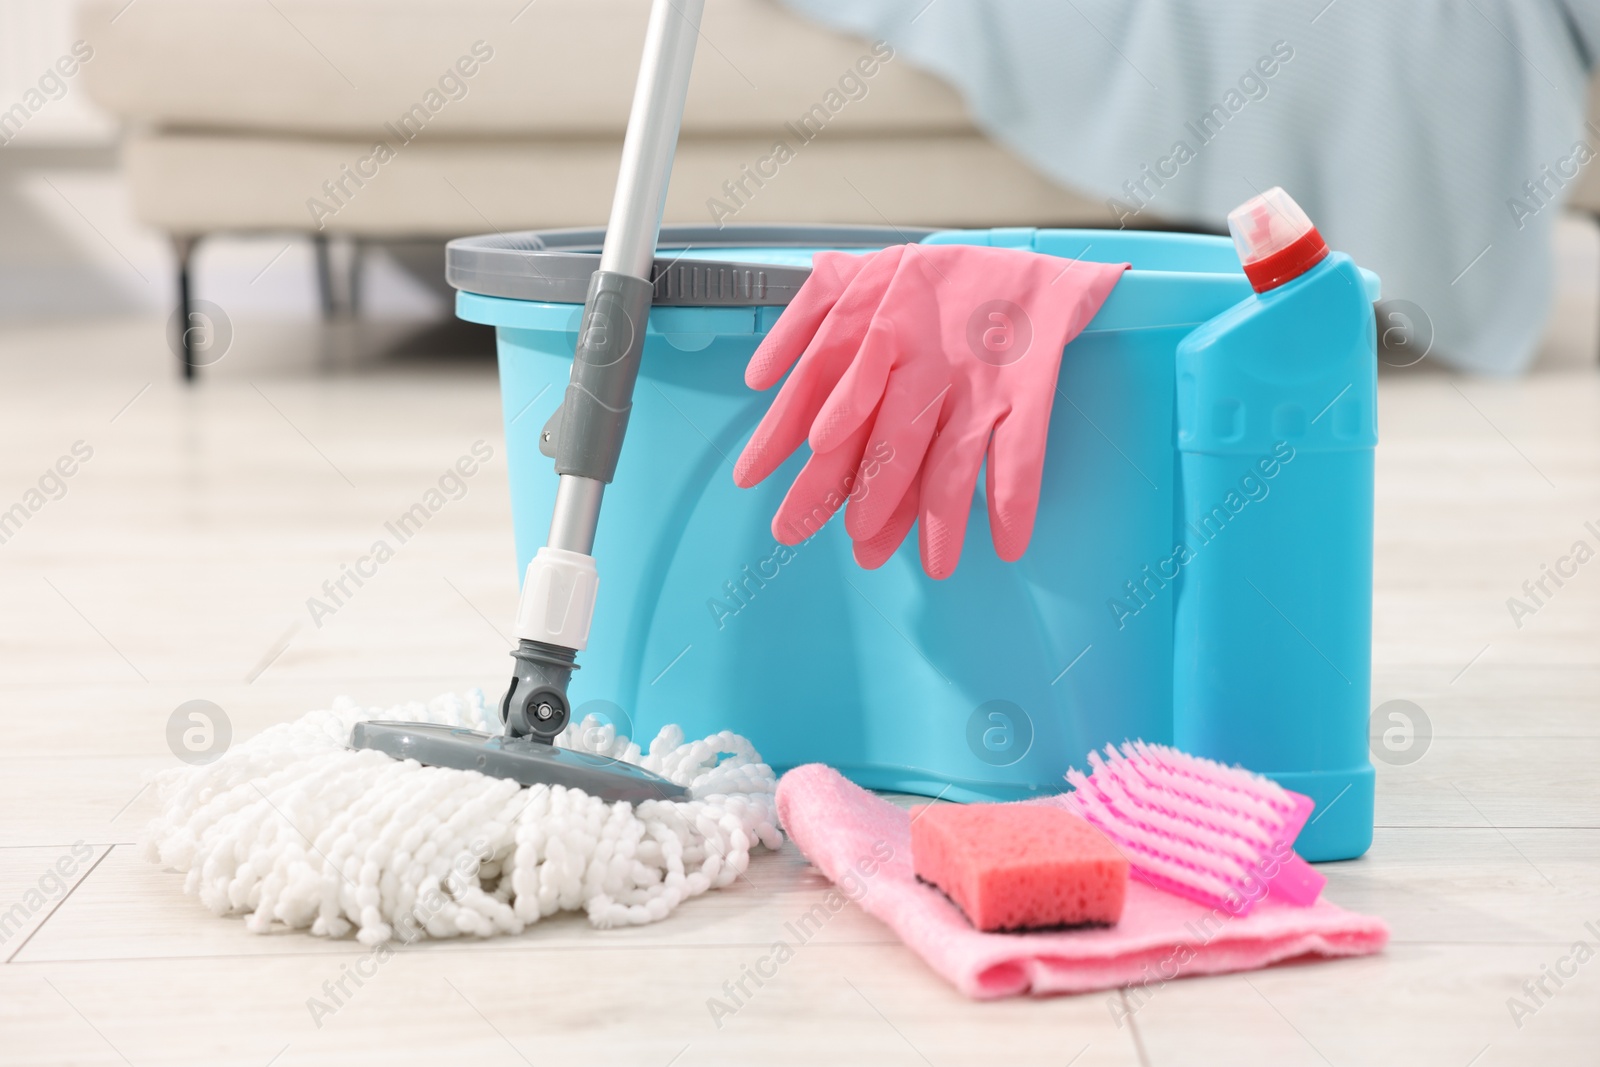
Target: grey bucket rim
(554, 266)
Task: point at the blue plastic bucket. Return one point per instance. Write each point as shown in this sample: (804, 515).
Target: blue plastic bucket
(987, 685)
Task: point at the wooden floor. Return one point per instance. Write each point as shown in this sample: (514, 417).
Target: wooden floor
(176, 567)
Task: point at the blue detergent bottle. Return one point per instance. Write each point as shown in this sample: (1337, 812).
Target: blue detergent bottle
(1276, 427)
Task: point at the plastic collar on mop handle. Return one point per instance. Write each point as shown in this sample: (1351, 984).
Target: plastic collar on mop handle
(1276, 240)
(588, 429)
(557, 603)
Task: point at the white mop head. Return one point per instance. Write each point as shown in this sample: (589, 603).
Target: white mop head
(293, 828)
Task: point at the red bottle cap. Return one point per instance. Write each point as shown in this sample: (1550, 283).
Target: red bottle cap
(1275, 239)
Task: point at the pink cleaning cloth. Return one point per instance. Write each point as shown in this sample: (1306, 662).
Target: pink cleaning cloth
(863, 842)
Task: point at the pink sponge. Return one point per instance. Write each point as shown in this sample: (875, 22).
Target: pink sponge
(1019, 866)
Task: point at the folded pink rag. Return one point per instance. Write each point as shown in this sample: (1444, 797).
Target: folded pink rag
(863, 844)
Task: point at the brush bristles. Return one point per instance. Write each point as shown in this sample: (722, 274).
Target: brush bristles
(1189, 825)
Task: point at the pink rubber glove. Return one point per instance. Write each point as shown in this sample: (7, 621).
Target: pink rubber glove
(958, 361)
(822, 329)
(999, 318)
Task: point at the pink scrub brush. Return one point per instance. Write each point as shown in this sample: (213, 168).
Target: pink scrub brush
(1220, 836)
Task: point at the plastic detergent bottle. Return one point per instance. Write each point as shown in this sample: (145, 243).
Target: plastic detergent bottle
(1276, 425)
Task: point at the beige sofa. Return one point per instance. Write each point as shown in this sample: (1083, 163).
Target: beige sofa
(391, 119)
(251, 116)
(240, 110)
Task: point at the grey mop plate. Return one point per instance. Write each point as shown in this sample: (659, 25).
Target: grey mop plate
(520, 760)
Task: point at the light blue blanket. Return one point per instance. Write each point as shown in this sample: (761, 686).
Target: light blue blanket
(1433, 140)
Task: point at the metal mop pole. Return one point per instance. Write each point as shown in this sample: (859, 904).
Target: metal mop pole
(586, 434)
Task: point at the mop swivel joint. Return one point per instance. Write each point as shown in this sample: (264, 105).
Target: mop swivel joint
(535, 705)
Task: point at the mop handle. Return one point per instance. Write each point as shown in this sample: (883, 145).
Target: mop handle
(588, 432)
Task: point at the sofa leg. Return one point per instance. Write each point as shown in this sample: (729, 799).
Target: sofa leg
(358, 256)
(324, 274)
(183, 344)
